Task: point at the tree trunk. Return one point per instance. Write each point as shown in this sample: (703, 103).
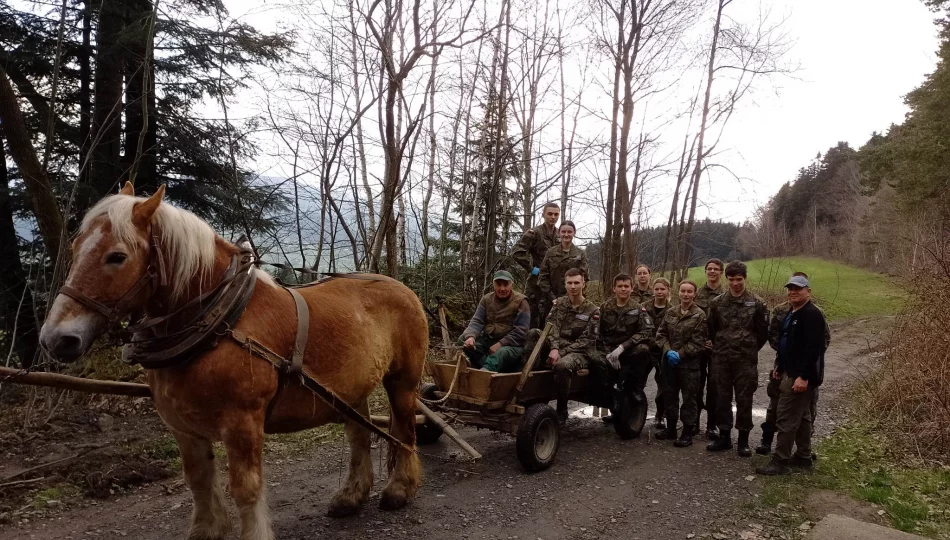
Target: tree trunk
(140, 121)
(611, 263)
(85, 93)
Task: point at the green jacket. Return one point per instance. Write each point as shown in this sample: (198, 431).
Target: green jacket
(569, 325)
(643, 297)
(628, 325)
(535, 242)
(705, 295)
(738, 326)
(556, 263)
(684, 333)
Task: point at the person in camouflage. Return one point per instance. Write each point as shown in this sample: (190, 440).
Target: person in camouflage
(656, 307)
(773, 389)
(738, 328)
(622, 338)
(566, 347)
(557, 261)
(494, 338)
(681, 338)
(529, 253)
(643, 291)
(711, 289)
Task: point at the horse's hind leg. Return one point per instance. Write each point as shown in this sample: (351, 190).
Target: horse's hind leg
(405, 473)
(359, 480)
(244, 442)
(209, 518)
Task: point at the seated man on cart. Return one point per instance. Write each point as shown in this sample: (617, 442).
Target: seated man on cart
(494, 338)
(623, 337)
(565, 349)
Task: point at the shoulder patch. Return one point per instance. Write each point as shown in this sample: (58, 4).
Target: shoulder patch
(582, 317)
(750, 303)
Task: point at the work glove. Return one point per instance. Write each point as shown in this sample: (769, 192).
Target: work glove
(672, 358)
(535, 271)
(614, 357)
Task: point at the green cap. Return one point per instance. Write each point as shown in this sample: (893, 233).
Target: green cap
(503, 275)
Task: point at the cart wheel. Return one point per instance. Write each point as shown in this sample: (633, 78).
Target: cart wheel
(428, 433)
(630, 411)
(538, 439)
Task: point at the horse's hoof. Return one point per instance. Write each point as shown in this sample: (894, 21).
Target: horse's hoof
(390, 501)
(341, 509)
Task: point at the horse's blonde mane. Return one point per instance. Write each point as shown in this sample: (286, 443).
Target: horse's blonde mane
(188, 242)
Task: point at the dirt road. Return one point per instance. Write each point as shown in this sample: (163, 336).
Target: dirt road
(600, 486)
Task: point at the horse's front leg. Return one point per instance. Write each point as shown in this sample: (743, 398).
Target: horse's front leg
(209, 518)
(359, 480)
(244, 443)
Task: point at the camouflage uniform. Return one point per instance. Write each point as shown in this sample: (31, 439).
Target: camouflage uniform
(685, 334)
(556, 263)
(529, 253)
(773, 390)
(642, 297)
(572, 332)
(704, 296)
(498, 321)
(738, 328)
(631, 326)
(657, 314)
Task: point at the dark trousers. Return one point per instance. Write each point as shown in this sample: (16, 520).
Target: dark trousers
(773, 391)
(794, 421)
(706, 383)
(737, 376)
(681, 381)
(534, 297)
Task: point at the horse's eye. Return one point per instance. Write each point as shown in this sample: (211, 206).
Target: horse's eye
(116, 258)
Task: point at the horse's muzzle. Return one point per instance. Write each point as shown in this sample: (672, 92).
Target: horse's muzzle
(65, 347)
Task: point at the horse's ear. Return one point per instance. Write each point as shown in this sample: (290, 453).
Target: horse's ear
(127, 189)
(143, 211)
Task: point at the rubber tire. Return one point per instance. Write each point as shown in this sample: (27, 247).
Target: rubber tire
(428, 433)
(538, 427)
(630, 412)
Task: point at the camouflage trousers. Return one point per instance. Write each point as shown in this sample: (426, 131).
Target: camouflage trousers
(773, 391)
(536, 301)
(707, 384)
(634, 366)
(564, 369)
(794, 421)
(505, 360)
(739, 377)
(681, 381)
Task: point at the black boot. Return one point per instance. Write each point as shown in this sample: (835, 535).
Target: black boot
(724, 442)
(742, 445)
(659, 422)
(668, 434)
(774, 467)
(768, 434)
(712, 433)
(686, 437)
(561, 413)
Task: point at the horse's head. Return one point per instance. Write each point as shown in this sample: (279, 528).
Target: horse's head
(113, 269)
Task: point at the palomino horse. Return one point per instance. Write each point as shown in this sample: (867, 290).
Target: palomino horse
(361, 332)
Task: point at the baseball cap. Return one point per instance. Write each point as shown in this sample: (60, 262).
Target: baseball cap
(502, 275)
(797, 281)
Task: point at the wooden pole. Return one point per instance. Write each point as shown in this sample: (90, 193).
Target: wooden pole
(446, 341)
(529, 365)
(79, 384)
(447, 429)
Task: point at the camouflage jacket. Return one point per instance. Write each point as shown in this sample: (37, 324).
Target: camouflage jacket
(684, 333)
(643, 297)
(556, 263)
(657, 314)
(535, 242)
(705, 295)
(778, 319)
(572, 328)
(738, 326)
(628, 325)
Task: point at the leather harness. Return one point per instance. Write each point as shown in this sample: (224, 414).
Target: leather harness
(149, 342)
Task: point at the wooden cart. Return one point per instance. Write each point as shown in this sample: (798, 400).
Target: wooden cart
(517, 403)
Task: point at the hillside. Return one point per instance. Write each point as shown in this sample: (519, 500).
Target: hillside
(843, 291)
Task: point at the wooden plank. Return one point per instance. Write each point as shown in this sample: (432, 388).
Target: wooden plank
(447, 430)
(526, 370)
(79, 384)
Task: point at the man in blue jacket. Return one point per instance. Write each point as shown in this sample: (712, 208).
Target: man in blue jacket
(801, 367)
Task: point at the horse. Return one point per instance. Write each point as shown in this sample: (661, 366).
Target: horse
(361, 332)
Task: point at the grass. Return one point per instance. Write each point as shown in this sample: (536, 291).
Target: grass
(843, 291)
(855, 460)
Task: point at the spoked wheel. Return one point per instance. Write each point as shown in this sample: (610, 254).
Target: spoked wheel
(539, 437)
(630, 413)
(428, 433)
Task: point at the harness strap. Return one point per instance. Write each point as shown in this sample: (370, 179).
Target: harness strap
(303, 331)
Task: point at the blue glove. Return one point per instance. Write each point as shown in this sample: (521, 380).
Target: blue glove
(672, 358)
(535, 271)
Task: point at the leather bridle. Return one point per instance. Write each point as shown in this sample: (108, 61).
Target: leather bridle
(154, 277)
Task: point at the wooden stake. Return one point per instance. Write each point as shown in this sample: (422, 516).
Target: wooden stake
(529, 365)
(79, 384)
(448, 430)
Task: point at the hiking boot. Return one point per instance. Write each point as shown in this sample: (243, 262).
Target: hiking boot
(742, 445)
(668, 434)
(659, 422)
(712, 433)
(609, 419)
(686, 437)
(724, 442)
(802, 462)
(562, 416)
(768, 435)
(774, 467)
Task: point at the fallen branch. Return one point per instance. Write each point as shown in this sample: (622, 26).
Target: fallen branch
(21, 482)
(79, 384)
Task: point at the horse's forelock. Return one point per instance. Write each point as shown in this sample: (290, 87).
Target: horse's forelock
(188, 242)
